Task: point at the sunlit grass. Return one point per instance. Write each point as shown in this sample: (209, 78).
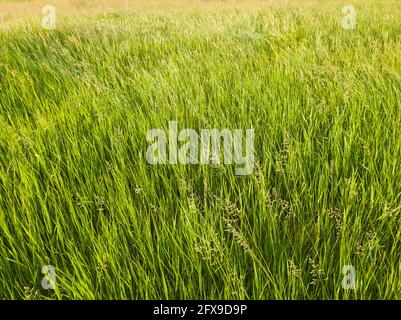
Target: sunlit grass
(77, 193)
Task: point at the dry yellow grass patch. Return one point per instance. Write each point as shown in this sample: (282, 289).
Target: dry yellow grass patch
(31, 7)
(13, 12)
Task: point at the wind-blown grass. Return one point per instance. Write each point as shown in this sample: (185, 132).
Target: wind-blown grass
(77, 193)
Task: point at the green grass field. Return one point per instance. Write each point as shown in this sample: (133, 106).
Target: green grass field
(76, 191)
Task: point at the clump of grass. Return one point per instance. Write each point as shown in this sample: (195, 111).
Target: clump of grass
(77, 193)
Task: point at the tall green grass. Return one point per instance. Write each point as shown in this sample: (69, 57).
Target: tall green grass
(77, 193)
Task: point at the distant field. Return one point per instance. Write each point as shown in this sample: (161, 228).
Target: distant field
(77, 191)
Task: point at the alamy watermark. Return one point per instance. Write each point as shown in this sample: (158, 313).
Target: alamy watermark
(348, 281)
(49, 280)
(49, 17)
(349, 20)
(190, 147)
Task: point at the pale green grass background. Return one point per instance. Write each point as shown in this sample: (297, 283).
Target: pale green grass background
(77, 193)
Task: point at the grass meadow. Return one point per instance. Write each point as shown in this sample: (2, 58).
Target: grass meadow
(76, 190)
